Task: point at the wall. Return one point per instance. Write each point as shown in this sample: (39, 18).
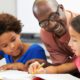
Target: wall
(24, 12)
(72, 5)
(8, 6)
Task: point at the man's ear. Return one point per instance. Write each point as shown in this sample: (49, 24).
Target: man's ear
(61, 6)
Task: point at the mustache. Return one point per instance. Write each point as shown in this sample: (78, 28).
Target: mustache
(63, 23)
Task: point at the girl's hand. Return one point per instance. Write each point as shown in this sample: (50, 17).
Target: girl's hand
(13, 66)
(34, 60)
(35, 68)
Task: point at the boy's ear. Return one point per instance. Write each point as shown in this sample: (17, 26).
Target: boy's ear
(61, 6)
(19, 35)
(0, 48)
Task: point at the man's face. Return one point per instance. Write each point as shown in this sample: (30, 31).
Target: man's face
(74, 42)
(51, 19)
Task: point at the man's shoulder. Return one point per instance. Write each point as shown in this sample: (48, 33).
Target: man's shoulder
(72, 13)
(75, 14)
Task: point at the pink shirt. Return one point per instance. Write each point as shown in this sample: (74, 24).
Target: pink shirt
(58, 54)
(77, 62)
(59, 50)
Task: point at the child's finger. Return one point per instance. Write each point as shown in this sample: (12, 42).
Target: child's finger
(33, 67)
(41, 71)
(5, 67)
(30, 69)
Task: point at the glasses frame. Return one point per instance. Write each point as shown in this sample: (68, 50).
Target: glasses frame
(50, 18)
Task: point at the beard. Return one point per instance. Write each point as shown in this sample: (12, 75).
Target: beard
(59, 30)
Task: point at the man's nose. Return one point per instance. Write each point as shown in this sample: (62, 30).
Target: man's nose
(53, 24)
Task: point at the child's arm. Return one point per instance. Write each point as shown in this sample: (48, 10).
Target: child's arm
(1, 57)
(13, 66)
(66, 67)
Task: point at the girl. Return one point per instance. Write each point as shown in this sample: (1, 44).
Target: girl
(74, 43)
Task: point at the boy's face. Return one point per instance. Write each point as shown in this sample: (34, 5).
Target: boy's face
(74, 42)
(10, 43)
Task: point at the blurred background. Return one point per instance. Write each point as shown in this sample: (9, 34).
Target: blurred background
(22, 9)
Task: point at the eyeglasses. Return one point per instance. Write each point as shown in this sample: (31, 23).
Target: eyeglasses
(52, 17)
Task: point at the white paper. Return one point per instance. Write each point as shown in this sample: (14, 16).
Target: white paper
(2, 61)
(57, 77)
(21, 75)
(14, 75)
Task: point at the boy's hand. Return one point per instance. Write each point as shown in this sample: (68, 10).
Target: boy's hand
(35, 68)
(13, 66)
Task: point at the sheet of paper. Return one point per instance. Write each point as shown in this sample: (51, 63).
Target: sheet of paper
(21, 75)
(57, 76)
(2, 62)
(14, 75)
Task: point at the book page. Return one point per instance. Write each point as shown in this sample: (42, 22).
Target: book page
(21, 75)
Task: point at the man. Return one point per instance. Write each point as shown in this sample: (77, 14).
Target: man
(54, 22)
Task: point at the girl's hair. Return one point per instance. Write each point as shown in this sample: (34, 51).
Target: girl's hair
(75, 23)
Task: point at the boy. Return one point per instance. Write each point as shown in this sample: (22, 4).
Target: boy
(16, 52)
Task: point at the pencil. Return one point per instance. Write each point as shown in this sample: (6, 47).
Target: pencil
(38, 68)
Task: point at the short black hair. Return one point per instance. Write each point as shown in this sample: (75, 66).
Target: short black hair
(9, 23)
(75, 23)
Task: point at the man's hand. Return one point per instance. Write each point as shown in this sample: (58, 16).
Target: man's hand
(13, 66)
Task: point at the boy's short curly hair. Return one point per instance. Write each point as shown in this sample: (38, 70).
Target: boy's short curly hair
(9, 23)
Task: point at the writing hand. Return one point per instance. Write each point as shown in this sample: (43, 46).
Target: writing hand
(36, 68)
